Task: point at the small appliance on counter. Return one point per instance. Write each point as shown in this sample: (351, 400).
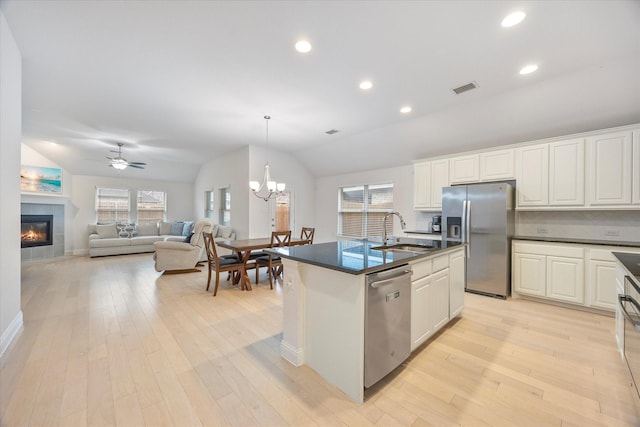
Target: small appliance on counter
(436, 224)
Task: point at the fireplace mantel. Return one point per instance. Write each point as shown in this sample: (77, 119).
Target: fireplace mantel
(43, 198)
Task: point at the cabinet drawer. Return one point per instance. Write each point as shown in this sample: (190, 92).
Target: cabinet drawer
(421, 269)
(552, 250)
(440, 262)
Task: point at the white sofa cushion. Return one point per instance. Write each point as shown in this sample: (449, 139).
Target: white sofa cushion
(109, 243)
(107, 231)
(165, 228)
(145, 240)
(147, 230)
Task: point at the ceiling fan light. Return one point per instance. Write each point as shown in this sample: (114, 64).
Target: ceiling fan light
(119, 165)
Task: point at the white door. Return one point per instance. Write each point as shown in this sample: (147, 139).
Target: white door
(532, 173)
(456, 283)
(602, 275)
(565, 279)
(566, 173)
(421, 185)
(439, 179)
(529, 274)
(609, 169)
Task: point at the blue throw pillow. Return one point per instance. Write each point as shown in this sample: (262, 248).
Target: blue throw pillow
(188, 238)
(176, 228)
(188, 228)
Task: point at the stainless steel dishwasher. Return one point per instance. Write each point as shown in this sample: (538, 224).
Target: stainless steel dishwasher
(387, 322)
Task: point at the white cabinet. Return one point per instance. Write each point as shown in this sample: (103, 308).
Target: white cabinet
(421, 185)
(464, 169)
(609, 169)
(428, 179)
(602, 276)
(457, 280)
(566, 173)
(497, 165)
(532, 174)
(430, 290)
(554, 271)
(529, 274)
(565, 279)
(493, 165)
(635, 185)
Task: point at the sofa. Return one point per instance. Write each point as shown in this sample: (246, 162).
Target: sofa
(112, 239)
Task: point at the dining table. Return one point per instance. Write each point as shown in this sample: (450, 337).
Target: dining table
(242, 248)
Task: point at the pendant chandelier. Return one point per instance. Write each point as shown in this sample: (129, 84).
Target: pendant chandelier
(268, 187)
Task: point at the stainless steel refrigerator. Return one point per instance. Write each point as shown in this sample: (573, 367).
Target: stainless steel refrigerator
(483, 216)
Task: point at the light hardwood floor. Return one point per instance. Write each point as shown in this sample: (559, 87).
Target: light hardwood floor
(108, 341)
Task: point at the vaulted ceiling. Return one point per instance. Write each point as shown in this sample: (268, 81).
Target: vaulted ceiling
(180, 82)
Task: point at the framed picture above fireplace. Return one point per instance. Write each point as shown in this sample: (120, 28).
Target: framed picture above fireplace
(39, 179)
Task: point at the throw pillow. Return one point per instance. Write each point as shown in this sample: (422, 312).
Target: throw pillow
(188, 228)
(225, 232)
(176, 228)
(165, 228)
(188, 238)
(107, 231)
(147, 230)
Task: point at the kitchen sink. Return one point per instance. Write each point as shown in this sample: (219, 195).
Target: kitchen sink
(405, 247)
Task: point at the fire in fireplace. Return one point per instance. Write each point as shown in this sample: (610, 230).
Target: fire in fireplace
(36, 230)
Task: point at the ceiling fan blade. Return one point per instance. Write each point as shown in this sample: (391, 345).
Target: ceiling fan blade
(136, 163)
(136, 166)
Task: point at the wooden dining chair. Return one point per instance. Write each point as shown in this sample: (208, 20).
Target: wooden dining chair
(273, 262)
(220, 264)
(307, 233)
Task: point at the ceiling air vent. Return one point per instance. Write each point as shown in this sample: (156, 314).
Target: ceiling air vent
(332, 131)
(465, 88)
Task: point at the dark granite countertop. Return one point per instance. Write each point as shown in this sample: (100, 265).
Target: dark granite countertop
(422, 232)
(631, 263)
(579, 241)
(358, 257)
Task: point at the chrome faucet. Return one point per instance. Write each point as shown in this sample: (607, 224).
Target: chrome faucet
(403, 225)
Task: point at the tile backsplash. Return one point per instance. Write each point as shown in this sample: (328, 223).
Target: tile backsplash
(623, 226)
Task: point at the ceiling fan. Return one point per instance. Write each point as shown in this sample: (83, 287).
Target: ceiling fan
(121, 163)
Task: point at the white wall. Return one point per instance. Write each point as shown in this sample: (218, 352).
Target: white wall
(10, 134)
(179, 202)
(230, 171)
(327, 198)
(250, 215)
(284, 168)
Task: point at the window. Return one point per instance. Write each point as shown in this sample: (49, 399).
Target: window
(112, 205)
(362, 208)
(152, 206)
(225, 206)
(209, 206)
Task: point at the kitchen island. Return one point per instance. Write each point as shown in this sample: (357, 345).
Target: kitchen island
(324, 297)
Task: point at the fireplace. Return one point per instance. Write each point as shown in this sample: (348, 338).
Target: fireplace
(36, 230)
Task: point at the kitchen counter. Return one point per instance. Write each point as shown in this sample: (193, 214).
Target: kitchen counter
(578, 241)
(358, 256)
(324, 296)
(631, 262)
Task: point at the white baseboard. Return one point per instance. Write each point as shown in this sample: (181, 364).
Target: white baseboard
(14, 327)
(293, 355)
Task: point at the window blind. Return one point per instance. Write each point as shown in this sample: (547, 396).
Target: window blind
(362, 210)
(112, 205)
(152, 206)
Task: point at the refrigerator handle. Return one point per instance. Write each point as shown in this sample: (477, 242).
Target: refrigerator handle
(463, 222)
(468, 227)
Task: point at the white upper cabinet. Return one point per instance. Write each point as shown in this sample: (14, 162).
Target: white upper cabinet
(421, 185)
(532, 175)
(635, 185)
(439, 179)
(497, 165)
(464, 169)
(566, 173)
(609, 169)
(428, 179)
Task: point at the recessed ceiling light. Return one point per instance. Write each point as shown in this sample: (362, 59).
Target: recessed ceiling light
(303, 46)
(513, 19)
(529, 69)
(365, 85)
(406, 109)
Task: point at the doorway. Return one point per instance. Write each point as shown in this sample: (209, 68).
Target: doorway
(282, 215)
